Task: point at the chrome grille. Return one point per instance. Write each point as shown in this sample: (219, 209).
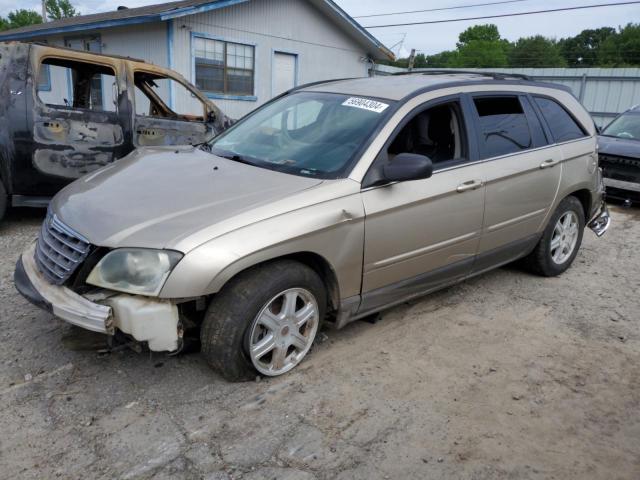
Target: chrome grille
(59, 250)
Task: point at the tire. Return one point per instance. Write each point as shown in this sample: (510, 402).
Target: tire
(234, 323)
(4, 201)
(551, 261)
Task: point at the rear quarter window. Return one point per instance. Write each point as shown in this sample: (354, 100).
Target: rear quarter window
(562, 125)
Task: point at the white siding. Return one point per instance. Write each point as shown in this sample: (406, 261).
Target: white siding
(323, 50)
(292, 26)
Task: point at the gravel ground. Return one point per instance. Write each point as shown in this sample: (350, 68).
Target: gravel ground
(507, 376)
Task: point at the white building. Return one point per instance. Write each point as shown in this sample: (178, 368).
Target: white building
(240, 53)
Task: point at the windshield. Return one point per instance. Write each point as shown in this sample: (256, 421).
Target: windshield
(626, 125)
(310, 134)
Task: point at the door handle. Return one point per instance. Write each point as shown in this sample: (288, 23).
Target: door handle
(549, 163)
(469, 185)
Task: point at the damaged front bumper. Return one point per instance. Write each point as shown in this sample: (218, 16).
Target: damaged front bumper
(149, 320)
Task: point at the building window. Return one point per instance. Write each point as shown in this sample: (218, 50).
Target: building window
(224, 67)
(44, 79)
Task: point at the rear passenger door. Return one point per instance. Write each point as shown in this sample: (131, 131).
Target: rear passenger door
(522, 173)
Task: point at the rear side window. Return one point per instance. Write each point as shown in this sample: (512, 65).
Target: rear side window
(503, 126)
(563, 126)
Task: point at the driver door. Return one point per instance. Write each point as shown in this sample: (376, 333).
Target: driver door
(168, 113)
(422, 234)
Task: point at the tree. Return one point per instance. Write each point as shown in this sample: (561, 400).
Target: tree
(441, 60)
(23, 18)
(488, 33)
(536, 51)
(57, 9)
(480, 46)
(582, 50)
(621, 49)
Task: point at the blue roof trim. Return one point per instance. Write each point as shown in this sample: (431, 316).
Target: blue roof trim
(81, 27)
(200, 8)
(156, 17)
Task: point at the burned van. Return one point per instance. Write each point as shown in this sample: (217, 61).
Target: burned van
(65, 113)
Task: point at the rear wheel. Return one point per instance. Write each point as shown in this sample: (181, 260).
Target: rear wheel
(265, 320)
(561, 240)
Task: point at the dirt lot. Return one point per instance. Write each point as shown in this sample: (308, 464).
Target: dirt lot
(507, 376)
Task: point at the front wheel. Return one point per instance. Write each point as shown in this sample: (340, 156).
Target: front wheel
(265, 320)
(561, 240)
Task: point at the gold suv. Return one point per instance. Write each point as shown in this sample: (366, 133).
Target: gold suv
(333, 201)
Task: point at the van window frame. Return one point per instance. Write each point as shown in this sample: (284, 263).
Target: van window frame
(527, 112)
(178, 117)
(112, 114)
(466, 124)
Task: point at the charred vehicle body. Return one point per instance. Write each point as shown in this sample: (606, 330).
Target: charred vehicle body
(65, 113)
(330, 203)
(619, 152)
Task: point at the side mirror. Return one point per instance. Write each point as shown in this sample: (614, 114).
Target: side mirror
(408, 166)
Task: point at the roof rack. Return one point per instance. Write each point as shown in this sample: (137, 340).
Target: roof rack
(494, 75)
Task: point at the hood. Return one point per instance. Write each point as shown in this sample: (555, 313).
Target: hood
(615, 146)
(156, 196)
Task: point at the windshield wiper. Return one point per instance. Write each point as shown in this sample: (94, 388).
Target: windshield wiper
(231, 156)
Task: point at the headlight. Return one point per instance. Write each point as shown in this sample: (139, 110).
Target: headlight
(134, 270)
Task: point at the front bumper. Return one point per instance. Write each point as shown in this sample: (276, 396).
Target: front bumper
(150, 320)
(60, 301)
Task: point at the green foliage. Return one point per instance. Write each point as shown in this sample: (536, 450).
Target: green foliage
(57, 9)
(481, 46)
(621, 49)
(22, 18)
(536, 51)
(582, 50)
(486, 33)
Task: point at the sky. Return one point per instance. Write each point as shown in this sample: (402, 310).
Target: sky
(430, 39)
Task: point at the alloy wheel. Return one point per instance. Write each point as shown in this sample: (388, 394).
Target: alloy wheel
(564, 238)
(283, 331)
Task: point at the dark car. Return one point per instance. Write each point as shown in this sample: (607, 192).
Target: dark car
(65, 113)
(619, 156)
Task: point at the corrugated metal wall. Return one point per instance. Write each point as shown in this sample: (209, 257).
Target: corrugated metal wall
(605, 92)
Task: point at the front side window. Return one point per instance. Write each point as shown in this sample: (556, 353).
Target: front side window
(562, 125)
(503, 126)
(160, 96)
(224, 67)
(437, 133)
(77, 85)
(310, 134)
(626, 125)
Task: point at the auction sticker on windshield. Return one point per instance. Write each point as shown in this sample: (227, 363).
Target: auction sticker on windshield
(365, 104)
